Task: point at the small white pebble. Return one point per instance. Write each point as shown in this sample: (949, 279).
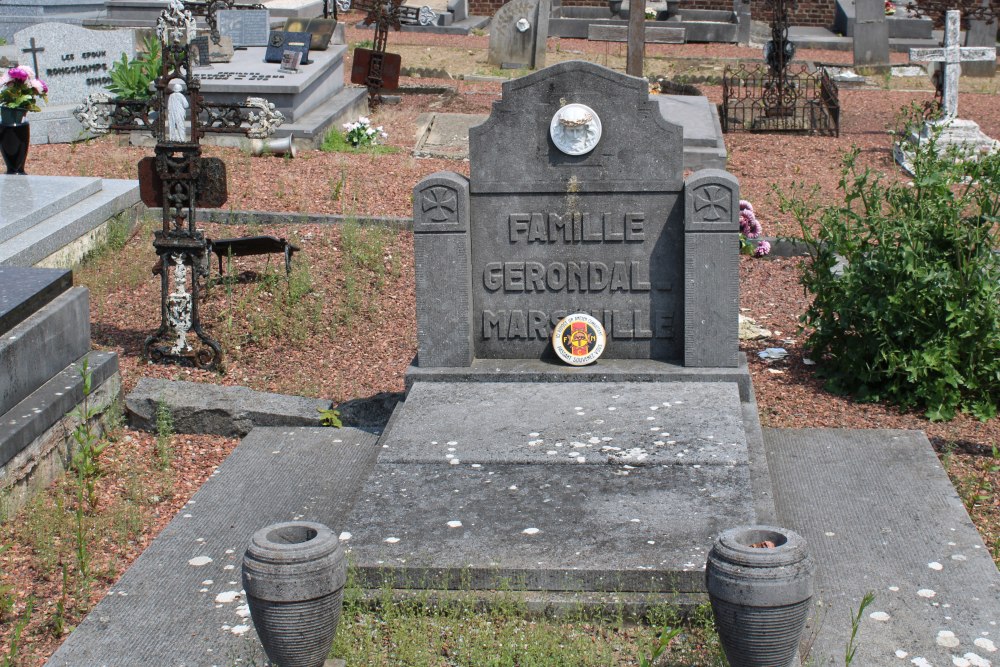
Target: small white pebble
(900, 653)
(240, 629)
(934, 565)
(926, 593)
(879, 616)
(985, 644)
(198, 561)
(344, 536)
(454, 524)
(530, 531)
(893, 588)
(392, 540)
(947, 639)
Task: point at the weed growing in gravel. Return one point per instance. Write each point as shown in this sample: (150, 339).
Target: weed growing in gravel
(363, 265)
(906, 285)
(852, 646)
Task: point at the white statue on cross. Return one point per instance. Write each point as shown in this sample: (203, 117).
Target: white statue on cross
(952, 55)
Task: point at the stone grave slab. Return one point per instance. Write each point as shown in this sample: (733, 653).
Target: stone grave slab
(618, 504)
(445, 134)
(879, 514)
(651, 423)
(294, 94)
(166, 608)
(25, 290)
(74, 61)
(26, 202)
(543, 527)
(62, 330)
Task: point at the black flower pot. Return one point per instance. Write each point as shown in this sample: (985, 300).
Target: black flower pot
(15, 137)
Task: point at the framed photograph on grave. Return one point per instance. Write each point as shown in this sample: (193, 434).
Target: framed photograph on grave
(391, 63)
(281, 41)
(290, 61)
(320, 29)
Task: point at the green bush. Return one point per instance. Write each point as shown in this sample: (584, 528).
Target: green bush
(906, 285)
(130, 79)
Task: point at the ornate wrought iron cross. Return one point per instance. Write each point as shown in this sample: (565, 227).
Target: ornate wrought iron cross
(780, 93)
(379, 69)
(177, 179)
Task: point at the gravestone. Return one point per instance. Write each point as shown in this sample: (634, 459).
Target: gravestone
(573, 478)
(871, 33)
(246, 27)
(73, 61)
(614, 231)
(518, 34)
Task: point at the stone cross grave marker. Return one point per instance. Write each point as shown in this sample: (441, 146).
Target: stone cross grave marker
(589, 215)
(952, 55)
(73, 61)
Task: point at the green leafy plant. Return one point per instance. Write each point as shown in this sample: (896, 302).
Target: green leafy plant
(663, 641)
(330, 417)
(906, 284)
(89, 446)
(14, 643)
(852, 647)
(130, 78)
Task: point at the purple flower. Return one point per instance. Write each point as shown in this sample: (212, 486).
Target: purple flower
(763, 248)
(19, 73)
(39, 86)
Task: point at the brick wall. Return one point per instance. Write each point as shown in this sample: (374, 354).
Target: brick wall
(809, 12)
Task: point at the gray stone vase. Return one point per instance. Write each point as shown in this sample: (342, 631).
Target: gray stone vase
(760, 595)
(293, 575)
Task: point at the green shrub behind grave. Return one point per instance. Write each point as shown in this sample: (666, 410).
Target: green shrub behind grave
(905, 280)
(130, 78)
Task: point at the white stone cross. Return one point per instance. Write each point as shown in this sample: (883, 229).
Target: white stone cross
(952, 55)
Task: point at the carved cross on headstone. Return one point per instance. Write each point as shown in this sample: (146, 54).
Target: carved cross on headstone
(34, 51)
(178, 179)
(952, 55)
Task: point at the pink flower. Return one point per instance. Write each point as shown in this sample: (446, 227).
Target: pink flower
(39, 86)
(5, 79)
(763, 248)
(20, 73)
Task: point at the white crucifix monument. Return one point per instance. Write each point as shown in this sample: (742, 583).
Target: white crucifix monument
(953, 130)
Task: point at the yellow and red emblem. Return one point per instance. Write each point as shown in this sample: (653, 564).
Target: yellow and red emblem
(578, 339)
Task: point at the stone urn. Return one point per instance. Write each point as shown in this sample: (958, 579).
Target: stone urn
(293, 575)
(760, 582)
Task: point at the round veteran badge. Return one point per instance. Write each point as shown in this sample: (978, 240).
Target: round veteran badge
(578, 339)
